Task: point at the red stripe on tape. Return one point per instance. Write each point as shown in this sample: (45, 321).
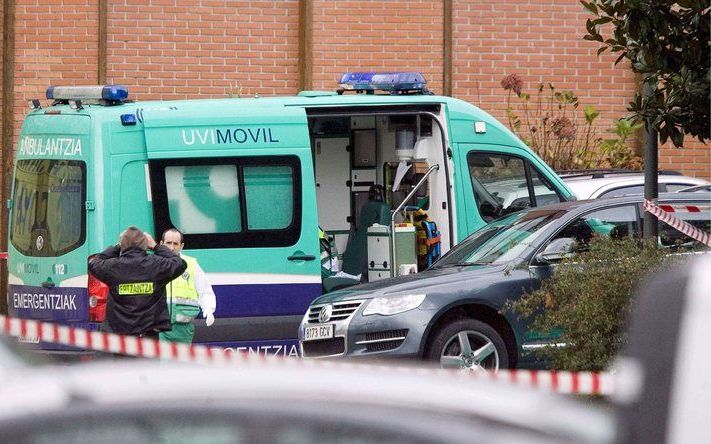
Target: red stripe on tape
(575, 383)
(554, 380)
(23, 327)
(139, 347)
(6, 327)
(595, 384)
(105, 341)
(3, 255)
(122, 344)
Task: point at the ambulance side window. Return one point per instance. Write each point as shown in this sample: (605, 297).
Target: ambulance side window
(269, 193)
(204, 198)
(504, 183)
(229, 202)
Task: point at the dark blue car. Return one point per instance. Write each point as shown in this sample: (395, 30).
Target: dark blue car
(452, 311)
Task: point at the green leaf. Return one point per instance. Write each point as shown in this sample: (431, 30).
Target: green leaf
(590, 6)
(602, 21)
(590, 113)
(677, 137)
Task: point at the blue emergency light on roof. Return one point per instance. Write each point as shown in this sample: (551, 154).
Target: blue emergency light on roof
(394, 82)
(101, 93)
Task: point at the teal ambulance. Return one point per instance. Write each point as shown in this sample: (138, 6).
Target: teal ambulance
(249, 181)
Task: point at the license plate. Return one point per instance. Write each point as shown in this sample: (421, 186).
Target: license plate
(321, 331)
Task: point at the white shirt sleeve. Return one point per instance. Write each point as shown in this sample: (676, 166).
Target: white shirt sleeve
(207, 296)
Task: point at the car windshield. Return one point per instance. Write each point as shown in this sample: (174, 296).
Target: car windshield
(502, 240)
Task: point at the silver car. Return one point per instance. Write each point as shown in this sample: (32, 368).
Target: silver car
(591, 184)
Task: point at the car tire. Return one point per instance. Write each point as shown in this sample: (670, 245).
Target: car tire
(482, 340)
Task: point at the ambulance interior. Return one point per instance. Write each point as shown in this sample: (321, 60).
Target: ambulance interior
(365, 166)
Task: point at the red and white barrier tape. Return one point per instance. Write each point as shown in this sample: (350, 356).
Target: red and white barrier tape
(112, 343)
(3, 255)
(582, 383)
(682, 226)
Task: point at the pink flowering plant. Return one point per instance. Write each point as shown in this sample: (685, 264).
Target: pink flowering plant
(552, 126)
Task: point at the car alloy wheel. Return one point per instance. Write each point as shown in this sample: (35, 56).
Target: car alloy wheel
(470, 345)
(470, 350)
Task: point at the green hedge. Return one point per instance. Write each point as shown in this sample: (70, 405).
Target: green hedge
(587, 301)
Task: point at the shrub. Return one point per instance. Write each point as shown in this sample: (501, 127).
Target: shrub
(586, 301)
(551, 125)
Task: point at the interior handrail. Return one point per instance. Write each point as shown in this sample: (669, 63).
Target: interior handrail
(393, 254)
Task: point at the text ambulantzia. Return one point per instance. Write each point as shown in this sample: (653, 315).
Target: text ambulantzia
(58, 146)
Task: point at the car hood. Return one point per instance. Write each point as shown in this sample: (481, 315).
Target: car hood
(420, 282)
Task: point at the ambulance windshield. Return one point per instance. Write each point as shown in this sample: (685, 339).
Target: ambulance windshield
(47, 217)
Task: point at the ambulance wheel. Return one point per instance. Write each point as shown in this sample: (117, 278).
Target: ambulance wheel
(468, 344)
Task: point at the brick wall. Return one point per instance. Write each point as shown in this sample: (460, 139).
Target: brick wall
(172, 49)
(55, 43)
(541, 41)
(177, 49)
(377, 35)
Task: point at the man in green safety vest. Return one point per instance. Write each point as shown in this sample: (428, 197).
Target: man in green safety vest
(187, 294)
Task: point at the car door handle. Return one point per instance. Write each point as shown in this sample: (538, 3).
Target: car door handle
(301, 257)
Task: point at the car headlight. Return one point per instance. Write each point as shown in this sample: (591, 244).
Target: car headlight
(394, 304)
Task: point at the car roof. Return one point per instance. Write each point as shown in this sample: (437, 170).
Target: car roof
(590, 185)
(299, 383)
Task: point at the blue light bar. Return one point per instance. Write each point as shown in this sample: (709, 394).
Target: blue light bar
(395, 82)
(109, 93)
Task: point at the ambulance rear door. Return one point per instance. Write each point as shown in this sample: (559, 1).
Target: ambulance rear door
(48, 219)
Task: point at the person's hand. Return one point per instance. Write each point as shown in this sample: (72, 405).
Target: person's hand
(209, 319)
(150, 243)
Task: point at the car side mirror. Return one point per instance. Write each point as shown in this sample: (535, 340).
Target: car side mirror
(557, 250)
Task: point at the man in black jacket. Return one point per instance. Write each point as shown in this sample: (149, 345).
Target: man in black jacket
(137, 303)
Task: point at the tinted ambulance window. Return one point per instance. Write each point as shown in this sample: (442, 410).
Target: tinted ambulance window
(544, 191)
(48, 214)
(229, 202)
(503, 184)
(204, 198)
(269, 194)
